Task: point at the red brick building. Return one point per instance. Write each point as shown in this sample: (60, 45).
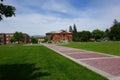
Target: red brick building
(2, 38)
(8, 36)
(5, 38)
(59, 36)
(27, 38)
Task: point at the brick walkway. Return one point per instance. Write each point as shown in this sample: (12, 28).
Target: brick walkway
(106, 65)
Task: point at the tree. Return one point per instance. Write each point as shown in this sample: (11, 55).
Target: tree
(34, 40)
(75, 29)
(18, 36)
(6, 10)
(97, 34)
(84, 36)
(107, 32)
(115, 22)
(45, 39)
(75, 34)
(115, 32)
(70, 29)
(12, 40)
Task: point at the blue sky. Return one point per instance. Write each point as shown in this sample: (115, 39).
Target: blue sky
(36, 17)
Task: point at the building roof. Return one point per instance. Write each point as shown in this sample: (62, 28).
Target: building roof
(52, 32)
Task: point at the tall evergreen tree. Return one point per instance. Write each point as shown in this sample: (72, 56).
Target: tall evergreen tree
(115, 22)
(75, 29)
(70, 29)
(75, 34)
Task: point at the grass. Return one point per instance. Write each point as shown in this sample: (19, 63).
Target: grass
(104, 47)
(40, 63)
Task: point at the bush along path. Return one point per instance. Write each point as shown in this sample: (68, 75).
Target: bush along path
(104, 64)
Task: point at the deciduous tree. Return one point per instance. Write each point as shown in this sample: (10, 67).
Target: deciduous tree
(115, 32)
(12, 40)
(84, 36)
(18, 36)
(6, 10)
(34, 40)
(97, 34)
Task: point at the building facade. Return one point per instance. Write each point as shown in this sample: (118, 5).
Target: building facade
(2, 38)
(8, 36)
(27, 38)
(59, 36)
(5, 38)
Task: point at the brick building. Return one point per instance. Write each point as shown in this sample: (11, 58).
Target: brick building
(2, 38)
(27, 38)
(5, 38)
(59, 36)
(8, 36)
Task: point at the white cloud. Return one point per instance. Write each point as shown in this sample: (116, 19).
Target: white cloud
(54, 6)
(40, 24)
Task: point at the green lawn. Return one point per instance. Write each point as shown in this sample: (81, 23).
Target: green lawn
(104, 47)
(40, 63)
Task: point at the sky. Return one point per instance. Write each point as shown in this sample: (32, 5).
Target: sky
(37, 17)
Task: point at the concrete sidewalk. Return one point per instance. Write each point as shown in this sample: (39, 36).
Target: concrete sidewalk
(104, 64)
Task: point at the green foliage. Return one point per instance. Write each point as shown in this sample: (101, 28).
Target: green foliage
(70, 29)
(18, 36)
(115, 32)
(74, 33)
(34, 40)
(97, 34)
(107, 31)
(40, 63)
(45, 39)
(84, 36)
(12, 40)
(6, 10)
(115, 22)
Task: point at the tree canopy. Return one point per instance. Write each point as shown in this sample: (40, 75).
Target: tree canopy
(6, 10)
(115, 22)
(97, 34)
(18, 36)
(84, 36)
(115, 32)
(34, 40)
(12, 40)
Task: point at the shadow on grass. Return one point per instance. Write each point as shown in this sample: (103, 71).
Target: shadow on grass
(21, 72)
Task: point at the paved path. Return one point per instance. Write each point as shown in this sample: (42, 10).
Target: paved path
(104, 64)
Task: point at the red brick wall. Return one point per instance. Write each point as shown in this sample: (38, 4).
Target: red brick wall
(62, 36)
(7, 36)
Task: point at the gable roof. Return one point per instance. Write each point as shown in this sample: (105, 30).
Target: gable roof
(52, 32)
